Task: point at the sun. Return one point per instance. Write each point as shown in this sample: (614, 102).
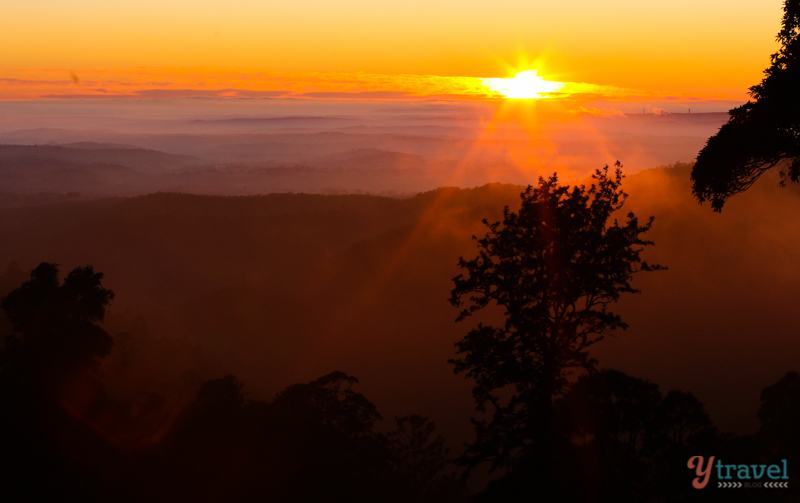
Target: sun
(524, 85)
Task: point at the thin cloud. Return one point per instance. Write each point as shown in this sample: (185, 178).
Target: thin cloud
(151, 84)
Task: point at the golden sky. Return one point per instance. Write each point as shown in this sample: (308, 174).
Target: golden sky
(705, 49)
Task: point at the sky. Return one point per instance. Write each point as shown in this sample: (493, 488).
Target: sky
(683, 50)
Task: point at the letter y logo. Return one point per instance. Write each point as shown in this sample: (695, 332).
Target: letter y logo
(703, 471)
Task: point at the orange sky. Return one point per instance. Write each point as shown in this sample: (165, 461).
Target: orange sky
(706, 49)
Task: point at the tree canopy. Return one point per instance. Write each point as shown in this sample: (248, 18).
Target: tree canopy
(553, 268)
(56, 326)
(761, 134)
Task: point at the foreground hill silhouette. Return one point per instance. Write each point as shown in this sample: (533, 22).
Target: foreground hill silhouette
(615, 437)
(213, 285)
(312, 441)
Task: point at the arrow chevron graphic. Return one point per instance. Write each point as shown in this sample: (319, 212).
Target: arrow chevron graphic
(735, 485)
(729, 485)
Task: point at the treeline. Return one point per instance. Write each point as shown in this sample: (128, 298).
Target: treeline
(315, 441)
(618, 438)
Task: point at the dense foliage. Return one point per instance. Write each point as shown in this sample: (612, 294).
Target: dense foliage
(761, 134)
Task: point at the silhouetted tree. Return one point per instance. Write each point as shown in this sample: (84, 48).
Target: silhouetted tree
(680, 421)
(607, 417)
(315, 441)
(330, 401)
(9, 280)
(611, 407)
(328, 436)
(419, 458)
(628, 437)
(779, 413)
(620, 440)
(55, 334)
(778, 437)
(552, 269)
(762, 133)
(56, 326)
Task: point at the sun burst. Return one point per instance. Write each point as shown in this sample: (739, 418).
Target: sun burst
(524, 85)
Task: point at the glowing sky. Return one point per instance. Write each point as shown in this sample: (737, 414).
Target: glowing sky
(706, 49)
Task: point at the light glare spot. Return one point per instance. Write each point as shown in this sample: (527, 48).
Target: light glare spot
(524, 85)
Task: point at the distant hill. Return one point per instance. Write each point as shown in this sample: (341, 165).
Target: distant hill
(140, 159)
(93, 145)
(85, 167)
(287, 121)
(459, 141)
(373, 159)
